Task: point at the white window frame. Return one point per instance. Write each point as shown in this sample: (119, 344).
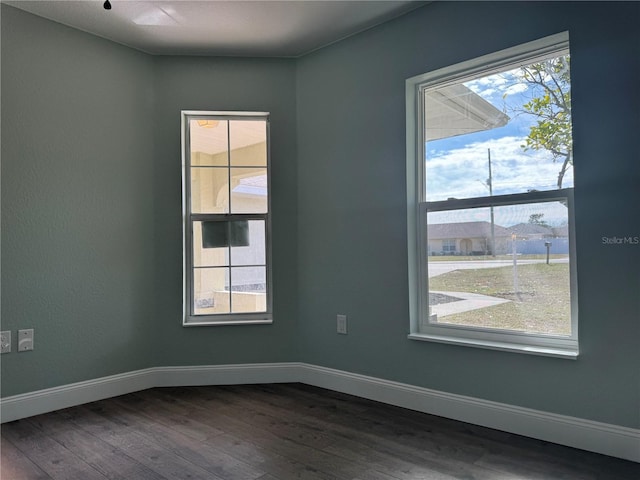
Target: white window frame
(420, 326)
(244, 318)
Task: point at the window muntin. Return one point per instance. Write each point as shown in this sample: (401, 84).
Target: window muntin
(489, 203)
(226, 218)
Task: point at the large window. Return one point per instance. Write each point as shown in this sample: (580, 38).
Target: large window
(491, 202)
(226, 218)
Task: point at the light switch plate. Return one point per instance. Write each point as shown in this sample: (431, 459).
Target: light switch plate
(342, 324)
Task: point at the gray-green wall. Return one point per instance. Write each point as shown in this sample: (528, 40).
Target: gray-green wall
(196, 83)
(77, 204)
(91, 204)
(352, 205)
(91, 215)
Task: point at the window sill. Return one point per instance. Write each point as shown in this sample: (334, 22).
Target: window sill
(558, 352)
(220, 323)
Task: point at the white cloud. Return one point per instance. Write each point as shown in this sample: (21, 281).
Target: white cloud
(516, 88)
(463, 172)
(493, 87)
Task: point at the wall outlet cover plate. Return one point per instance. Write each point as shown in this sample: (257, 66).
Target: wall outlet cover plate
(5, 341)
(25, 340)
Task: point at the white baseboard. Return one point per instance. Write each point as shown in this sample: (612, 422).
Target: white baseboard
(588, 435)
(51, 399)
(56, 398)
(604, 438)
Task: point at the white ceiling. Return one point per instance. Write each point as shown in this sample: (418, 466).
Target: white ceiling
(264, 28)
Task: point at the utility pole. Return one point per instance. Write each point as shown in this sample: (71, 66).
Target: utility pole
(493, 230)
(514, 249)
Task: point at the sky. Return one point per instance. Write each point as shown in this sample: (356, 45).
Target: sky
(458, 166)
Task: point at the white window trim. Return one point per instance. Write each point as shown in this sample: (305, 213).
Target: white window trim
(245, 318)
(420, 328)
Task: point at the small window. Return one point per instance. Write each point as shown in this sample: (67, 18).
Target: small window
(226, 196)
(449, 246)
(492, 176)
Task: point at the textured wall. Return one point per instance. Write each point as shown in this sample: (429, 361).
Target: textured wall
(77, 204)
(352, 205)
(91, 204)
(233, 84)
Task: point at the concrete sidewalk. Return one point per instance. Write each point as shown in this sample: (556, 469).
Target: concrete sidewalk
(468, 301)
(438, 268)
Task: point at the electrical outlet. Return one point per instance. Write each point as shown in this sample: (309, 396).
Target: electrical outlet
(25, 340)
(5, 341)
(342, 324)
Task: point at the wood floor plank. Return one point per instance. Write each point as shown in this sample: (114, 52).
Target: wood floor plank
(387, 423)
(407, 454)
(278, 432)
(57, 461)
(242, 448)
(195, 450)
(353, 443)
(119, 434)
(165, 415)
(270, 433)
(389, 420)
(16, 465)
(112, 462)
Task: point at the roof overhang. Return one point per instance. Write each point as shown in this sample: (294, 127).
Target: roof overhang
(454, 110)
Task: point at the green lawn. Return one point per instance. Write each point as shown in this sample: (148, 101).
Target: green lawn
(541, 304)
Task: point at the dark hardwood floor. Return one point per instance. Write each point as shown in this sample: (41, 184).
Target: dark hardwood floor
(268, 432)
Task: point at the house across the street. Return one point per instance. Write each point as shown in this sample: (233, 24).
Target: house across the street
(467, 238)
(474, 238)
